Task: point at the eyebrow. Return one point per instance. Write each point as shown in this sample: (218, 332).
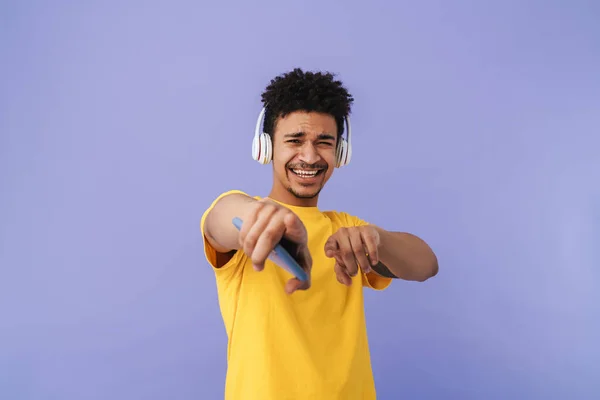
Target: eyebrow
(322, 136)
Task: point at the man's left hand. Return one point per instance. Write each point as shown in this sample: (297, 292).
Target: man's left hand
(353, 248)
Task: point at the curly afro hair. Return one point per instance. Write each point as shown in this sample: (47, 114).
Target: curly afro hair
(306, 91)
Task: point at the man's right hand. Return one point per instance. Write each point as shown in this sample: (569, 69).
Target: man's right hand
(264, 226)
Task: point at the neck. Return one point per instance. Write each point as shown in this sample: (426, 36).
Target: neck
(284, 196)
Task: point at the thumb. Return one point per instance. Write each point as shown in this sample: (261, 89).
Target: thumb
(331, 246)
(294, 229)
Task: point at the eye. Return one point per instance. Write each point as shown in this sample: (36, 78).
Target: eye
(293, 141)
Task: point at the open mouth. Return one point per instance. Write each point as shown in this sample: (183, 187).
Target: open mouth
(307, 173)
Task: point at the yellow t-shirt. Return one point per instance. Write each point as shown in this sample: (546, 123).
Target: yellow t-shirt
(308, 345)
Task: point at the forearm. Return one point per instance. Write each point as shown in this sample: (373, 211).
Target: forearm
(218, 228)
(406, 256)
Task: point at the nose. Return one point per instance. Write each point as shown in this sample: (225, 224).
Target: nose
(309, 154)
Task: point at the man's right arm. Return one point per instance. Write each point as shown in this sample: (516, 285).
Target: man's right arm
(265, 223)
(220, 232)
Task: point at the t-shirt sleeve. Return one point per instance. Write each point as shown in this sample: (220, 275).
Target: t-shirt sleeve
(209, 251)
(370, 280)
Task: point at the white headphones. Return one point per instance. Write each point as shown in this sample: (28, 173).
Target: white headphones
(262, 147)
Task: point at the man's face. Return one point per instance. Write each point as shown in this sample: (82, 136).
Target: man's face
(304, 147)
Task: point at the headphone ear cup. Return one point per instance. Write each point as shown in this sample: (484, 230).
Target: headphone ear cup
(265, 149)
(262, 148)
(268, 146)
(348, 154)
(256, 148)
(341, 153)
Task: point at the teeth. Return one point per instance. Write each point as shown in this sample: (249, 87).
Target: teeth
(306, 174)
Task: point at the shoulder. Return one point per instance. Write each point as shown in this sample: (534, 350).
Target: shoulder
(227, 193)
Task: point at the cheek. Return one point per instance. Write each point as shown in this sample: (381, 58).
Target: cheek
(329, 157)
(283, 157)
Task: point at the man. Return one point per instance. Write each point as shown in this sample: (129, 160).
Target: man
(292, 339)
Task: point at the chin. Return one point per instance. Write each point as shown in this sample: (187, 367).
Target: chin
(304, 193)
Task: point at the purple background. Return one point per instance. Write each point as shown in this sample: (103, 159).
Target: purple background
(477, 126)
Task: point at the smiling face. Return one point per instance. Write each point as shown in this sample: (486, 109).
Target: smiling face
(304, 145)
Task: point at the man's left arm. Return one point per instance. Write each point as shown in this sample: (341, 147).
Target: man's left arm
(404, 256)
(373, 250)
